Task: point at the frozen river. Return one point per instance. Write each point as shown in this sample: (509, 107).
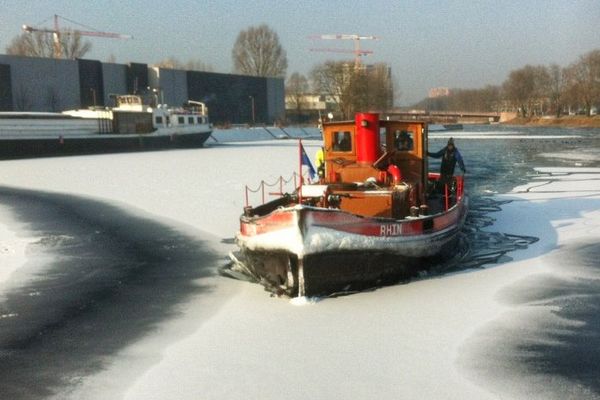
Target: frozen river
(109, 284)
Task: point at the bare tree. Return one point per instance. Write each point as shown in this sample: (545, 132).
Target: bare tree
(583, 80)
(190, 65)
(355, 89)
(519, 88)
(41, 44)
(257, 52)
(335, 79)
(169, 63)
(296, 89)
(476, 100)
(556, 87)
(35, 44)
(73, 46)
(527, 88)
(542, 91)
(380, 93)
(198, 65)
(532, 89)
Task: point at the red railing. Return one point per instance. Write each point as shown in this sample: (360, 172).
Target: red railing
(446, 197)
(281, 182)
(460, 188)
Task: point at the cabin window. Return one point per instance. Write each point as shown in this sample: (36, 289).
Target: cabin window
(342, 141)
(181, 120)
(191, 120)
(382, 138)
(403, 140)
(158, 120)
(200, 120)
(168, 120)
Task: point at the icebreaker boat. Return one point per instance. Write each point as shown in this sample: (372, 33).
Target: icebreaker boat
(371, 218)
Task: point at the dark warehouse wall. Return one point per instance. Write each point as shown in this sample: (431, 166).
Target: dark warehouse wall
(43, 84)
(5, 88)
(229, 97)
(137, 78)
(91, 83)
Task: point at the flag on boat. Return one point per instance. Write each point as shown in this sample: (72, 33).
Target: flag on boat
(304, 160)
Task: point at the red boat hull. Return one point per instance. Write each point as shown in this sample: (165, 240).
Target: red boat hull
(314, 251)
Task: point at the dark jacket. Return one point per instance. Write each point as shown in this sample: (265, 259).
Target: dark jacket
(449, 160)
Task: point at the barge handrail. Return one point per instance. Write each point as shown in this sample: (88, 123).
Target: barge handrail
(281, 181)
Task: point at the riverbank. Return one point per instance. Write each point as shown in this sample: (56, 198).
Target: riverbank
(567, 121)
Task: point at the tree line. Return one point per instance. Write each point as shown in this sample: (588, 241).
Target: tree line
(532, 90)
(347, 88)
(343, 87)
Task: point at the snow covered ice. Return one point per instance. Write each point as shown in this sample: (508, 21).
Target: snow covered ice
(475, 334)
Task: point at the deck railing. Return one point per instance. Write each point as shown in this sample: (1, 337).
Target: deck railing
(447, 192)
(281, 183)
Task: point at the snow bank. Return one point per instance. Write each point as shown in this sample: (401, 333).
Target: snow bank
(262, 133)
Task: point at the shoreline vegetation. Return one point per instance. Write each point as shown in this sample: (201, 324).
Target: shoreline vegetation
(567, 121)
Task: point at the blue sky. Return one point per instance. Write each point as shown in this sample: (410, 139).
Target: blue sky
(465, 44)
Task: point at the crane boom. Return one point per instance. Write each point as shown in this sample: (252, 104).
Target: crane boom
(360, 52)
(29, 29)
(345, 37)
(57, 32)
(354, 37)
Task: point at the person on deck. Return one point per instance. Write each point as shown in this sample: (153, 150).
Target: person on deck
(320, 162)
(342, 142)
(450, 156)
(403, 141)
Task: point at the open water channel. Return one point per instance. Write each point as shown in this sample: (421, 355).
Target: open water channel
(499, 158)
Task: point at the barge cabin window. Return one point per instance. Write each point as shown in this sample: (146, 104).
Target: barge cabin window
(342, 141)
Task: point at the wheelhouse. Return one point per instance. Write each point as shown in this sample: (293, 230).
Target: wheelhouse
(375, 168)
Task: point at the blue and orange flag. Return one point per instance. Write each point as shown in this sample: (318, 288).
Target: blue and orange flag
(306, 161)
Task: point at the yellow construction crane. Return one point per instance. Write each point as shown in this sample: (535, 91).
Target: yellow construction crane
(57, 32)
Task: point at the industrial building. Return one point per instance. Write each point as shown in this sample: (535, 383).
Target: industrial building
(47, 84)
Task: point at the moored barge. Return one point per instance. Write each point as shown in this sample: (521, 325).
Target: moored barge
(129, 126)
